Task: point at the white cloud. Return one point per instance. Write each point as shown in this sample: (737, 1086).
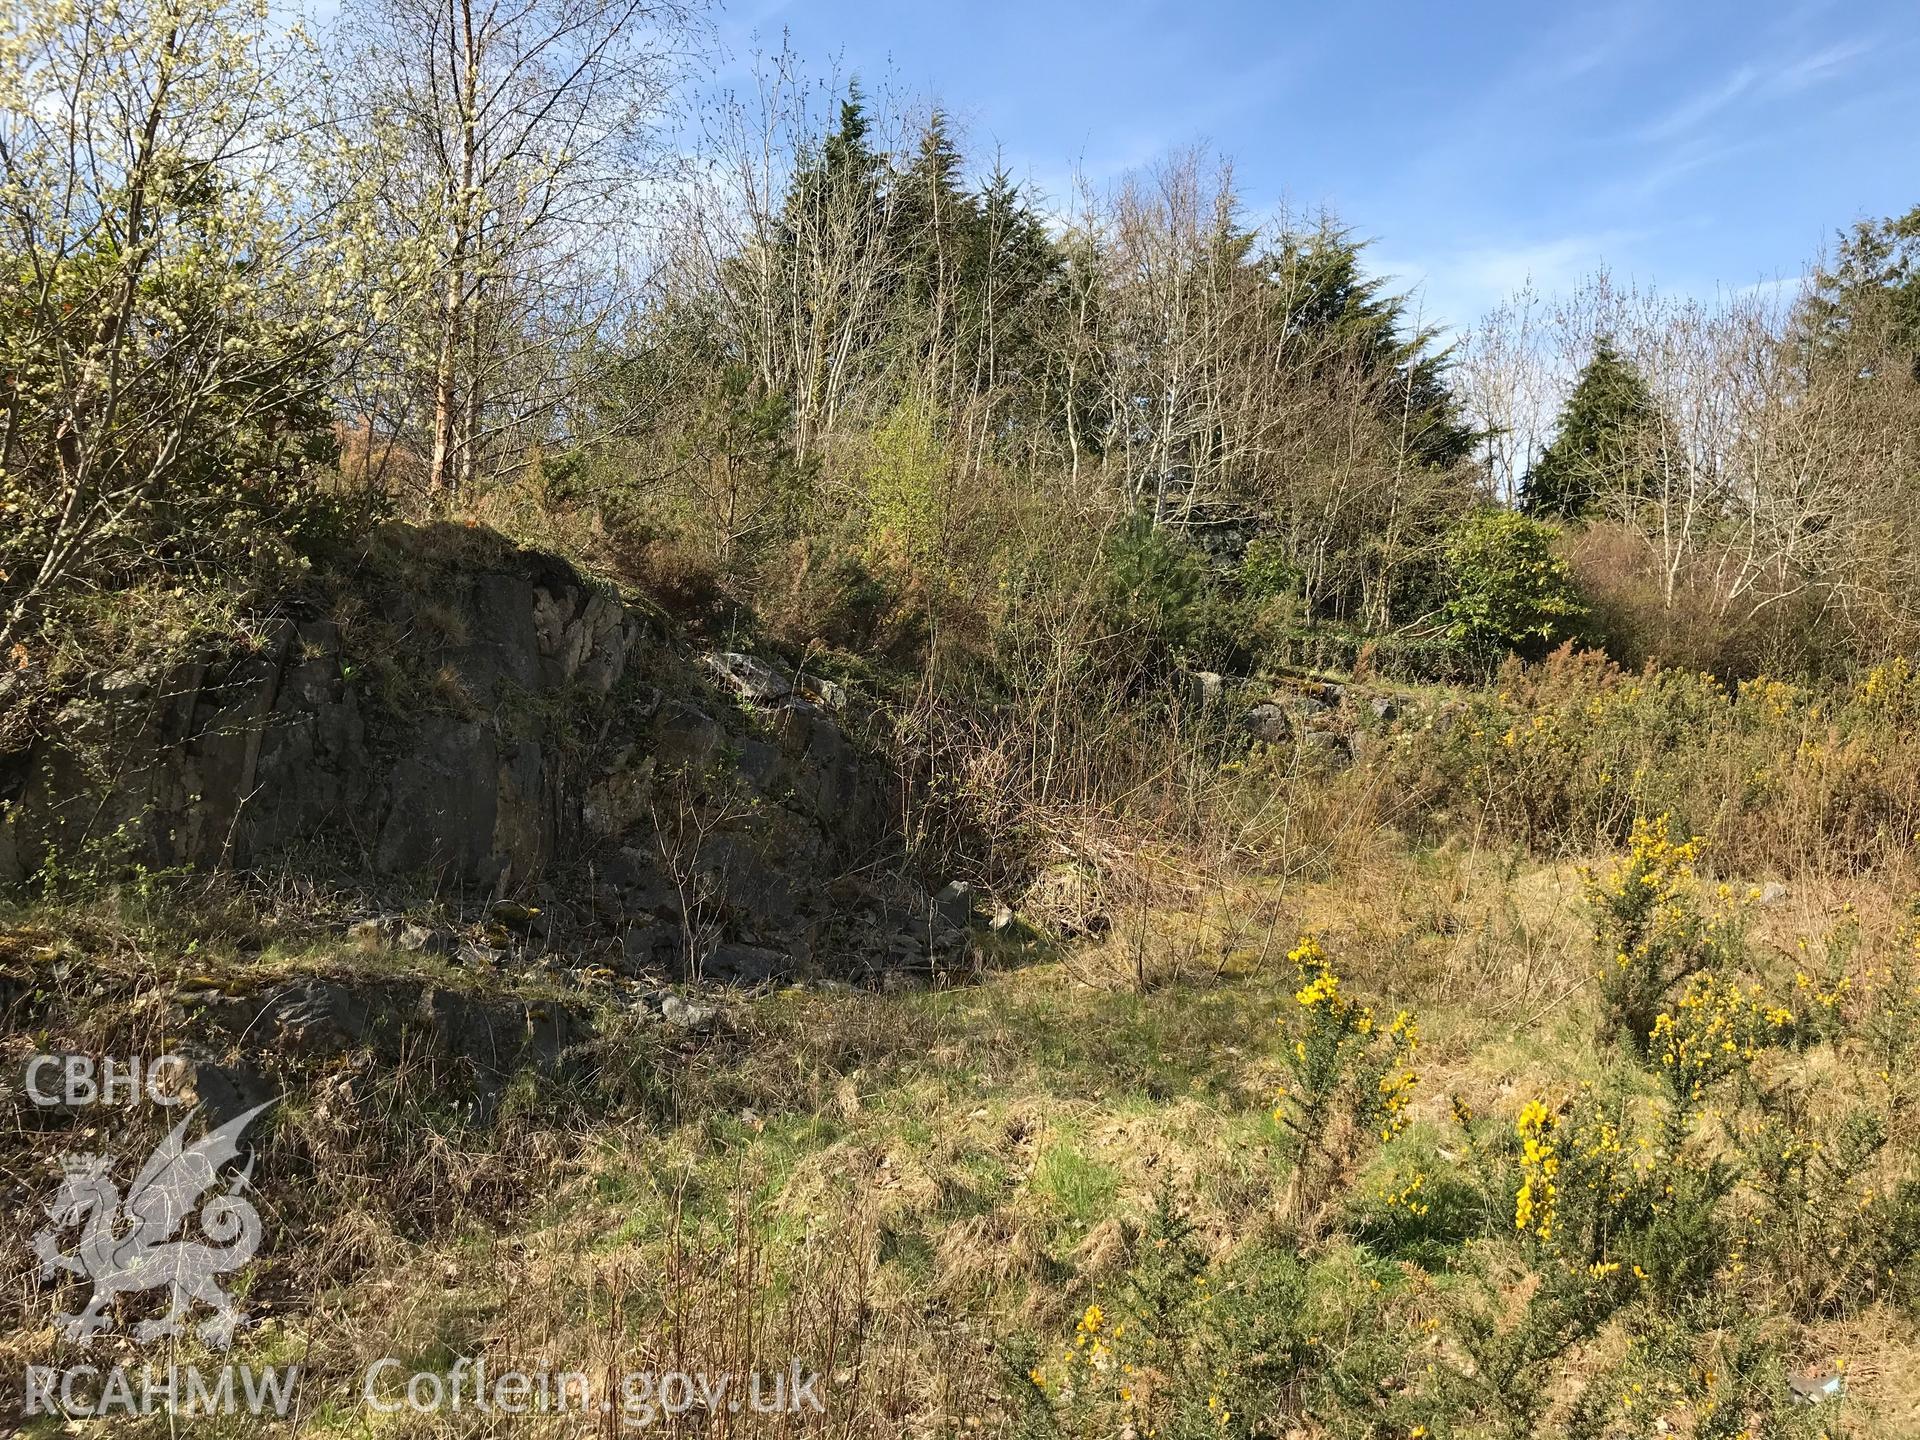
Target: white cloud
(1703, 106)
(1683, 160)
(1818, 67)
(1785, 77)
(1457, 288)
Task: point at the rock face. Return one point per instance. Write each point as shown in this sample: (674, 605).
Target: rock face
(1270, 723)
(283, 747)
(477, 731)
(1327, 725)
(752, 678)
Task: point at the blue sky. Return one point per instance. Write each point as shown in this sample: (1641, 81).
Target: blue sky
(1695, 145)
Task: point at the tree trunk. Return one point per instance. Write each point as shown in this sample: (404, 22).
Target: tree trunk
(462, 53)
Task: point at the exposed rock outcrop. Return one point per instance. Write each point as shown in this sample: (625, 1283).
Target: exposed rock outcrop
(1326, 724)
(475, 731)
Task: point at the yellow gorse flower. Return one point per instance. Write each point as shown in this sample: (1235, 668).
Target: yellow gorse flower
(1341, 1063)
(1322, 989)
(1408, 1197)
(1712, 1029)
(1537, 1199)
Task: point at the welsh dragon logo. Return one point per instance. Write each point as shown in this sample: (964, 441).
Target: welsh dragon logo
(129, 1245)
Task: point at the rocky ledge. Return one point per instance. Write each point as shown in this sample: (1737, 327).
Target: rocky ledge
(445, 738)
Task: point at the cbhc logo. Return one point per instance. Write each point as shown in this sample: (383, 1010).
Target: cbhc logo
(76, 1081)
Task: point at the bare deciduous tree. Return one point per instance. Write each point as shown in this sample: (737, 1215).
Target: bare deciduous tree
(513, 151)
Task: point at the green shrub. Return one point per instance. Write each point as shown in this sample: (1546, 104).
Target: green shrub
(1566, 754)
(1349, 1080)
(1718, 1362)
(1184, 1349)
(1510, 591)
(1265, 573)
(1169, 603)
(1614, 1213)
(1835, 1224)
(818, 594)
(1398, 656)
(906, 480)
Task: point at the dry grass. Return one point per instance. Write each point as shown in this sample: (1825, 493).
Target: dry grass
(911, 1191)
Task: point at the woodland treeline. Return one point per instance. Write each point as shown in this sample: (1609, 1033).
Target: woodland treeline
(794, 361)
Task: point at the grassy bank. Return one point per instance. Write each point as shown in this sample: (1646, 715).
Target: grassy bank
(1068, 1199)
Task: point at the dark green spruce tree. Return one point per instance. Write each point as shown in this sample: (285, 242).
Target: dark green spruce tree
(1018, 271)
(1605, 442)
(840, 180)
(936, 246)
(1339, 315)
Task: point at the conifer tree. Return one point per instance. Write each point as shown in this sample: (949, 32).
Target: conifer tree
(844, 172)
(1339, 315)
(1869, 298)
(936, 239)
(1603, 445)
(1017, 267)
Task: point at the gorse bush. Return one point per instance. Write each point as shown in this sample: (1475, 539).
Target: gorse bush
(1587, 1190)
(1889, 1020)
(1649, 932)
(1566, 755)
(1241, 1345)
(1349, 1079)
(1713, 1029)
(1611, 1190)
(1669, 1219)
(1164, 1358)
(1832, 1221)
